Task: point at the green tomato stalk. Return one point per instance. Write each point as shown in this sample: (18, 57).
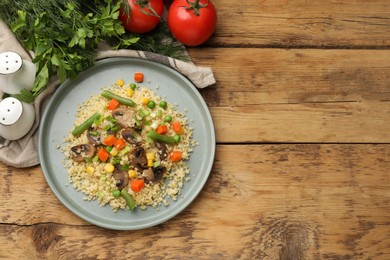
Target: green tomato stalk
(195, 6)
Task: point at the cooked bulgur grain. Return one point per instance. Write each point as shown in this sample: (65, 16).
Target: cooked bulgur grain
(90, 177)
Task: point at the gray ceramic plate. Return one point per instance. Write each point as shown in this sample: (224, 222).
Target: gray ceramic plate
(58, 120)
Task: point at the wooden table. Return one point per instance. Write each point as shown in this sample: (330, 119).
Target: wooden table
(302, 116)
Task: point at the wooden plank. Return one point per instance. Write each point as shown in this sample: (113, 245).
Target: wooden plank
(318, 24)
(298, 95)
(295, 76)
(311, 123)
(266, 201)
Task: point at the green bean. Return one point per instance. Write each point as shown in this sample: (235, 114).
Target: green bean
(115, 128)
(137, 122)
(85, 125)
(161, 138)
(111, 119)
(121, 100)
(94, 133)
(128, 198)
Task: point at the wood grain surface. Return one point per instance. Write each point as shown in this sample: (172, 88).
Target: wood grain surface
(302, 116)
(322, 95)
(266, 202)
(303, 24)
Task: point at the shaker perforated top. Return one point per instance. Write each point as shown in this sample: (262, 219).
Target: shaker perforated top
(11, 110)
(10, 62)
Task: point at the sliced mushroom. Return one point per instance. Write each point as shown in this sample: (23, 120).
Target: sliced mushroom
(158, 173)
(148, 174)
(138, 158)
(94, 139)
(121, 176)
(124, 117)
(131, 136)
(163, 150)
(154, 174)
(82, 151)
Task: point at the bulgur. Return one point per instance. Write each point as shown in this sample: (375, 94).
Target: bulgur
(90, 176)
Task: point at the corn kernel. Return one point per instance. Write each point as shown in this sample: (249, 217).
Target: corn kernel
(150, 163)
(145, 100)
(120, 82)
(150, 156)
(130, 92)
(114, 151)
(109, 167)
(90, 170)
(132, 174)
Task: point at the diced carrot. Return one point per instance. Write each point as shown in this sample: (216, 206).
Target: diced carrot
(162, 129)
(138, 77)
(113, 104)
(109, 140)
(120, 144)
(176, 126)
(103, 154)
(175, 156)
(137, 185)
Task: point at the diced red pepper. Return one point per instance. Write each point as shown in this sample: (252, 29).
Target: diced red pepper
(110, 140)
(137, 185)
(120, 144)
(162, 129)
(113, 104)
(103, 154)
(138, 77)
(175, 156)
(176, 126)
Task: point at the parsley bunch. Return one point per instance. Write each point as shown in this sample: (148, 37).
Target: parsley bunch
(64, 35)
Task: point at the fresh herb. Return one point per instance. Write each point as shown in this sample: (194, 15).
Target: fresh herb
(64, 36)
(25, 96)
(161, 41)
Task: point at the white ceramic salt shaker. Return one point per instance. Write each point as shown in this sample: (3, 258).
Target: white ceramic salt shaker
(15, 73)
(16, 118)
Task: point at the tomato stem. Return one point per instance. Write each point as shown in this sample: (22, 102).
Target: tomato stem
(195, 6)
(144, 4)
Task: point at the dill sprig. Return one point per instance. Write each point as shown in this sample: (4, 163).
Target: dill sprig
(161, 41)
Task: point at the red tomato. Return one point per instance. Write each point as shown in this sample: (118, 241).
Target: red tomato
(144, 15)
(188, 27)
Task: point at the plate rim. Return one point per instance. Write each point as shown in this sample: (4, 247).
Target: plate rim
(169, 215)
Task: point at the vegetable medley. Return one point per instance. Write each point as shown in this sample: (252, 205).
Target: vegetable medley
(129, 147)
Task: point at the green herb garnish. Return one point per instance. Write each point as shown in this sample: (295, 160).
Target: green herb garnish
(64, 36)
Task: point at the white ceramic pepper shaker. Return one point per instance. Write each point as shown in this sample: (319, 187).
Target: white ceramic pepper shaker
(16, 118)
(15, 73)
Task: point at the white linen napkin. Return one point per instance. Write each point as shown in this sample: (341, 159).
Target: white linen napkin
(24, 152)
